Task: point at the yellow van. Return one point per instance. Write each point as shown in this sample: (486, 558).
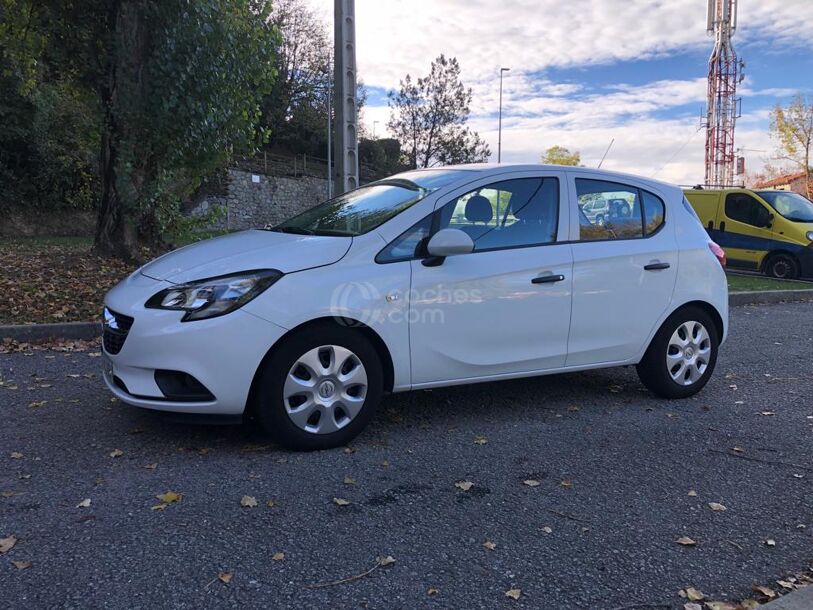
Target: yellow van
(768, 231)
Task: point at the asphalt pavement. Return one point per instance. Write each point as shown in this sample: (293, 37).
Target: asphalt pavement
(615, 476)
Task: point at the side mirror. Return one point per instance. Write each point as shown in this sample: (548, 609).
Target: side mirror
(450, 242)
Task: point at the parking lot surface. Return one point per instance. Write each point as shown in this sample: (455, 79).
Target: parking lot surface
(583, 483)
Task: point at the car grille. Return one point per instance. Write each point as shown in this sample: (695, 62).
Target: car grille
(116, 327)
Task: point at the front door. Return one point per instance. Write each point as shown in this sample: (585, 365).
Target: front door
(505, 308)
(744, 230)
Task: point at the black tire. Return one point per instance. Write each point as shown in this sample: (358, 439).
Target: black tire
(782, 267)
(269, 402)
(653, 369)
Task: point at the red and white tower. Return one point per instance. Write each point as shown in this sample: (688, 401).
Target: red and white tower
(725, 73)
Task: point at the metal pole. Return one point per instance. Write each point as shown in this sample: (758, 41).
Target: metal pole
(499, 127)
(329, 139)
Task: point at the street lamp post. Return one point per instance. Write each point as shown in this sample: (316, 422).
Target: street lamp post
(499, 128)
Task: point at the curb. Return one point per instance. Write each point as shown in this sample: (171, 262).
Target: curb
(735, 299)
(44, 332)
(801, 599)
(92, 330)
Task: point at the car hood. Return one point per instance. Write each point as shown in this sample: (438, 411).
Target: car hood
(245, 251)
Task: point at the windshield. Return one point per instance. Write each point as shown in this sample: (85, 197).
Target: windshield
(792, 206)
(365, 208)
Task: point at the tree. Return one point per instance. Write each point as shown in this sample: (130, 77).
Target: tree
(792, 127)
(559, 155)
(176, 87)
(428, 117)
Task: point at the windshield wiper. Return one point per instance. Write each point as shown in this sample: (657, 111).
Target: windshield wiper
(294, 230)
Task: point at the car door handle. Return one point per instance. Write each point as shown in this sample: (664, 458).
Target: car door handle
(656, 266)
(547, 279)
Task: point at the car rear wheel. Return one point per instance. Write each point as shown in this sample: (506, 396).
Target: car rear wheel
(320, 388)
(682, 355)
(782, 267)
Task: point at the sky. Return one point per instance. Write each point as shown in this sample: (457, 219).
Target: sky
(586, 71)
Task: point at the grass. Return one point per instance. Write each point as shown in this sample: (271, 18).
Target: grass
(760, 283)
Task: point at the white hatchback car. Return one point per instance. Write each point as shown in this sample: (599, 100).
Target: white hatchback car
(430, 278)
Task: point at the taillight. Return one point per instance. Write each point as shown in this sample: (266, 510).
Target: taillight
(719, 253)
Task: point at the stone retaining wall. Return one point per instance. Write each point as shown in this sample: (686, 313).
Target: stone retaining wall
(255, 200)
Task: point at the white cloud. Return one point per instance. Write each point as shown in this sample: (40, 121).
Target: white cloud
(396, 37)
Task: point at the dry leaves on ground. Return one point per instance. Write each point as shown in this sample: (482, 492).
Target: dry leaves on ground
(248, 501)
(6, 544)
(464, 485)
(34, 293)
(513, 593)
(341, 502)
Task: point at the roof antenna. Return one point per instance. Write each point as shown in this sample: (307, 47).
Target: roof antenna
(605, 153)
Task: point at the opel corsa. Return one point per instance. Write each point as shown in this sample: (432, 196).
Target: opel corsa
(429, 278)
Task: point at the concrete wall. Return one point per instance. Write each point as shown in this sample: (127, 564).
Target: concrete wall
(255, 200)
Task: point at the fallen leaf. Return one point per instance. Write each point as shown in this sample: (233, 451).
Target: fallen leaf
(716, 506)
(720, 606)
(692, 606)
(480, 440)
(16, 455)
(161, 506)
(84, 503)
(766, 591)
(225, 577)
(116, 453)
(749, 604)
(513, 593)
(204, 451)
(38, 403)
(385, 561)
(349, 481)
(341, 502)
(151, 466)
(566, 483)
(685, 541)
(573, 407)
(693, 594)
(270, 503)
(770, 542)
(278, 556)
(547, 530)
(464, 485)
(738, 450)
(6, 544)
(248, 501)
(692, 493)
(21, 565)
(349, 450)
(431, 591)
(767, 413)
(785, 584)
(169, 497)
(490, 545)
(531, 483)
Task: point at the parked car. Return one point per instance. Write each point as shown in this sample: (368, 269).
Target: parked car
(416, 282)
(767, 231)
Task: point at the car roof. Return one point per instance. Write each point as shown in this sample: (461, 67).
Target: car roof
(486, 169)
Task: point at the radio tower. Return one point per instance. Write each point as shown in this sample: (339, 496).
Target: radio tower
(725, 73)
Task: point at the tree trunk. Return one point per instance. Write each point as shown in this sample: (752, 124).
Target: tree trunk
(116, 224)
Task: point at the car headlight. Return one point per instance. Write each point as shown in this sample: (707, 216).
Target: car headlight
(809, 235)
(214, 296)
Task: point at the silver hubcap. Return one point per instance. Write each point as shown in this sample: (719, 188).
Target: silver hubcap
(325, 389)
(688, 353)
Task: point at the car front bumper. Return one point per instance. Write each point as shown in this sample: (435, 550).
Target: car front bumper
(221, 353)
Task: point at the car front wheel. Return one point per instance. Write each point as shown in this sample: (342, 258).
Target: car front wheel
(682, 355)
(320, 388)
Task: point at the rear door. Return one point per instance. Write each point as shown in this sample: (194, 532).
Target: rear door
(624, 272)
(743, 229)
